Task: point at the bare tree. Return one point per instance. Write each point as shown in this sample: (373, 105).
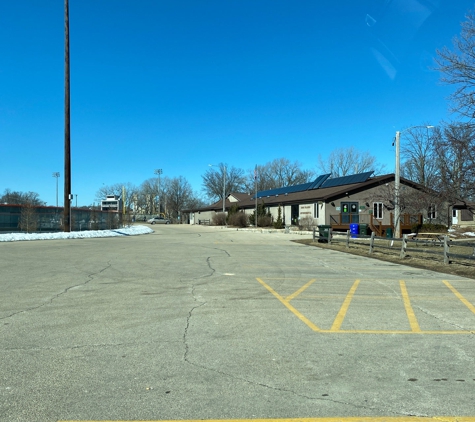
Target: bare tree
(346, 161)
(455, 149)
(28, 218)
(179, 195)
(420, 159)
(20, 198)
(217, 176)
(149, 196)
(458, 68)
(276, 174)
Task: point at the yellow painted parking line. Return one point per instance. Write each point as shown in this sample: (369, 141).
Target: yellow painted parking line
(332, 419)
(370, 298)
(290, 307)
(459, 296)
(433, 332)
(337, 323)
(344, 308)
(409, 311)
(294, 295)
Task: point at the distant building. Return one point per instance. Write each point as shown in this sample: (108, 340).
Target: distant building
(338, 202)
(112, 203)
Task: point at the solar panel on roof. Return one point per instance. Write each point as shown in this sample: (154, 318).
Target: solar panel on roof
(319, 181)
(347, 180)
(284, 190)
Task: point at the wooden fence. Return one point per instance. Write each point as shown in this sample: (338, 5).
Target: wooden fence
(446, 250)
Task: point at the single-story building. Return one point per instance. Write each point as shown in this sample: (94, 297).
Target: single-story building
(463, 214)
(361, 198)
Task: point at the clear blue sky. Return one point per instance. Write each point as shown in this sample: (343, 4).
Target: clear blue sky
(180, 84)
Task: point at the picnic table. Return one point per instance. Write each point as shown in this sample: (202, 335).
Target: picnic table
(426, 237)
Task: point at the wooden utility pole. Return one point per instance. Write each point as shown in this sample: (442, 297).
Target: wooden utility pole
(67, 135)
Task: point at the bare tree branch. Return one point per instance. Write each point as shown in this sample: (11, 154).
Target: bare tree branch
(346, 161)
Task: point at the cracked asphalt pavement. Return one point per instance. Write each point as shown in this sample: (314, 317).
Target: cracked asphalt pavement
(195, 322)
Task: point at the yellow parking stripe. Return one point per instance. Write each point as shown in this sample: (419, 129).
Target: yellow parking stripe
(337, 419)
(294, 295)
(338, 322)
(344, 308)
(396, 332)
(409, 311)
(290, 307)
(459, 296)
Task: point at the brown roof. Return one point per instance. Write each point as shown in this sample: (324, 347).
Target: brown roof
(321, 194)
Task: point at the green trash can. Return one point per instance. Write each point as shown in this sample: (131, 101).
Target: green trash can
(363, 229)
(324, 232)
(389, 233)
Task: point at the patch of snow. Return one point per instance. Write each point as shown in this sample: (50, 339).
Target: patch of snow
(125, 231)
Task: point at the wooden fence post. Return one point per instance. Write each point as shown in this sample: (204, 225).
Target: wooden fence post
(330, 234)
(446, 250)
(403, 246)
(314, 234)
(371, 243)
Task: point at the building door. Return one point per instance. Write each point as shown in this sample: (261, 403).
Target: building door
(455, 220)
(294, 211)
(350, 212)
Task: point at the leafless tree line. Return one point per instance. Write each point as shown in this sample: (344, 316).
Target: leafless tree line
(168, 196)
(283, 172)
(443, 158)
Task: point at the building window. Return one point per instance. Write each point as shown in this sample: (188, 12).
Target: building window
(315, 210)
(467, 215)
(378, 210)
(431, 212)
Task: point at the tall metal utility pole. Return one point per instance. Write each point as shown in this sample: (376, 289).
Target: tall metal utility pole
(56, 175)
(158, 172)
(397, 181)
(224, 188)
(67, 136)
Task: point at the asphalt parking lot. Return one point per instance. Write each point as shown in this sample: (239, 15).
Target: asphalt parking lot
(197, 322)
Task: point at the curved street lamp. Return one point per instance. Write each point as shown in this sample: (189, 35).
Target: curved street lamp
(397, 180)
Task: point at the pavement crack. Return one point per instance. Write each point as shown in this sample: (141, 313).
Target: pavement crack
(213, 270)
(223, 250)
(88, 346)
(199, 304)
(90, 277)
(439, 318)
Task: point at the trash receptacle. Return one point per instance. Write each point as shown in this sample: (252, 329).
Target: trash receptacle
(363, 229)
(354, 230)
(389, 233)
(324, 232)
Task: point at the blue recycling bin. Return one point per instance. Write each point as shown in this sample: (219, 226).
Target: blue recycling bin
(354, 230)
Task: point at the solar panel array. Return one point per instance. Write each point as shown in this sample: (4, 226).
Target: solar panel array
(284, 190)
(347, 180)
(321, 181)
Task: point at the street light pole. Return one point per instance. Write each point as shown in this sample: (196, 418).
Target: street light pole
(224, 184)
(224, 188)
(397, 184)
(56, 175)
(397, 181)
(158, 172)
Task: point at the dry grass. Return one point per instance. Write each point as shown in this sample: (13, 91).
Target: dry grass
(426, 255)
